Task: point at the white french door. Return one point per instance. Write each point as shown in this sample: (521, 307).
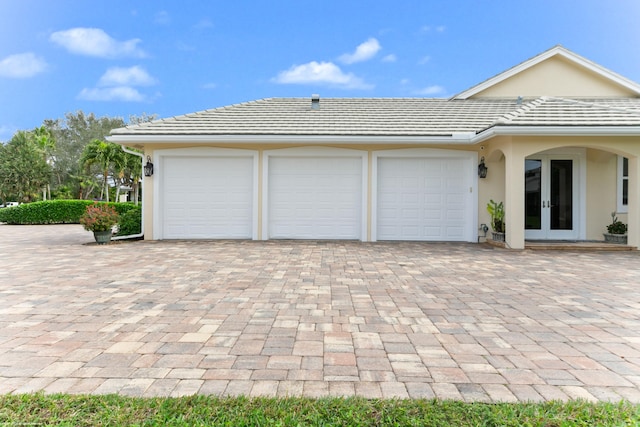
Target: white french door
(552, 197)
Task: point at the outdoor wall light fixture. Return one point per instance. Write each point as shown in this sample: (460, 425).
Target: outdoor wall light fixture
(482, 169)
(148, 168)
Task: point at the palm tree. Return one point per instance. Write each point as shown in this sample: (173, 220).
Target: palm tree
(103, 154)
(127, 172)
(133, 171)
(46, 143)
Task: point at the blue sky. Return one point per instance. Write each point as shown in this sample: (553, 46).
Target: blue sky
(119, 58)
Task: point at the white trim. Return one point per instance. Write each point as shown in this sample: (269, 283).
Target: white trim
(159, 158)
(471, 158)
(313, 152)
(621, 208)
(557, 50)
(455, 138)
(468, 138)
(556, 131)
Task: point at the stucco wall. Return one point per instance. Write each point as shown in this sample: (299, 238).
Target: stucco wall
(147, 201)
(490, 188)
(601, 195)
(555, 77)
(601, 172)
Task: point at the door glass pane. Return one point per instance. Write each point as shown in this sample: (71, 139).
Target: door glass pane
(625, 181)
(533, 194)
(561, 192)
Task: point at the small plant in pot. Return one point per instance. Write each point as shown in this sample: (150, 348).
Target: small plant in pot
(496, 210)
(100, 218)
(616, 231)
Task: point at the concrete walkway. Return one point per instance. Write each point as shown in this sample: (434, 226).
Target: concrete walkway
(453, 321)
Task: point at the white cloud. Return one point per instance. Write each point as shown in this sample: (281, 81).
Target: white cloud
(364, 52)
(203, 24)
(431, 90)
(22, 66)
(424, 60)
(133, 76)
(438, 28)
(118, 93)
(162, 18)
(320, 73)
(117, 84)
(184, 47)
(210, 86)
(390, 58)
(95, 42)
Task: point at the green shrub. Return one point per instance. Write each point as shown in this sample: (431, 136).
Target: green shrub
(130, 222)
(53, 212)
(99, 217)
(616, 227)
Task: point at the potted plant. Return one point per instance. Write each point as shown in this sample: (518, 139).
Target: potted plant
(100, 218)
(496, 210)
(616, 231)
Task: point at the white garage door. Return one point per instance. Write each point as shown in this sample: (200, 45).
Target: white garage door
(423, 199)
(315, 197)
(206, 197)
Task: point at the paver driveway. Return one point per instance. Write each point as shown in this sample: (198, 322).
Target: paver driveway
(455, 321)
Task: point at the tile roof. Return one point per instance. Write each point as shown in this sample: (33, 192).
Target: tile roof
(389, 117)
(548, 111)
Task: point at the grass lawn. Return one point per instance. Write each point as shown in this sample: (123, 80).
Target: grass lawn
(73, 410)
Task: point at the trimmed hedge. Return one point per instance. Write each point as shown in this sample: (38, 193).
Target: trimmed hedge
(130, 222)
(53, 212)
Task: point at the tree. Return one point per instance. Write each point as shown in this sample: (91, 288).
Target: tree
(133, 165)
(71, 176)
(46, 144)
(104, 155)
(23, 168)
(71, 135)
(128, 172)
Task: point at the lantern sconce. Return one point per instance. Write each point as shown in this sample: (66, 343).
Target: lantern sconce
(148, 168)
(482, 169)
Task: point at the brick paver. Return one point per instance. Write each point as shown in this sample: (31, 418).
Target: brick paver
(378, 320)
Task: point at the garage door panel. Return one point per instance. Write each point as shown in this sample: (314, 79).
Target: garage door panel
(315, 197)
(207, 197)
(455, 232)
(409, 214)
(430, 204)
(455, 215)
(432, 215)
(433, 183)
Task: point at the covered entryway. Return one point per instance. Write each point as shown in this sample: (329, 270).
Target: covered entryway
(553, 196)
(206, 194)
(426, 195)
(315, 193)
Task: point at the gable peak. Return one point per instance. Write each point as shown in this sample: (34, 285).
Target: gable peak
(557, 51)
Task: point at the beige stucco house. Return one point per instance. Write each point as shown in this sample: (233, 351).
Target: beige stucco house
(560, 136)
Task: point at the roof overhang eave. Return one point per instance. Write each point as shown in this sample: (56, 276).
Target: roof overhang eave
(557, 131)
(464, 138)
(455, 138)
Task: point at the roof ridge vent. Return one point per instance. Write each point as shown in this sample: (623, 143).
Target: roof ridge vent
(315, 101)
